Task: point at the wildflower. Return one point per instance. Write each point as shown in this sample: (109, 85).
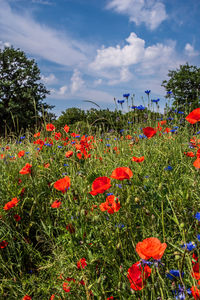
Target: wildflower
(50, 127)
(197, 216)
(37, 134)
(62, 184)
(100, 185)
(21, 153)
(194, 116)
(189, 154)
(3, 244)
(169, 168)
(26, 169)
(27, 297)
(195, 267)
(17, 218)
(189, 246)
(138, 159)
(147, 92)
(120, 101)
(137, 276)
(56, 204)
(66, 128)
(155, 100)
(81, 264)
(111, 205)
(66, 288)
(195, 292)
(68, 154)
(149, 132)
(126, 95)
(140, 107)
(11, 204)
(151, 247)
(196, 163)
(174, 273)
(122, 173)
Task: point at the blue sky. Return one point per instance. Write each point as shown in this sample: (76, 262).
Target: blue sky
(100, 49)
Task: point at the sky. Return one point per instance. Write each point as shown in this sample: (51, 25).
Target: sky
(98, 50)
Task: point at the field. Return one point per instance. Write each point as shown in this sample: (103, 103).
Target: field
(104, 216)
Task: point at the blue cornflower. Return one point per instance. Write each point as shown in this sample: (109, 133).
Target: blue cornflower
(140, 107)
(73, 142)
(22, 137)
(49, 145)
(147, 92)
(181, 112)
(170, 118)
(119, 185)
(169, 168)
(190, 246)
(134, 107)
(126, 95)
(109, 194)
(27, 152)
(59, 146)
(180, 294)
(169, 92)
(198, 237)
(64, 174)
(108, 145)
(121, 130)
(197, 216)
(174, 273)
(130, 122)
(120, 101)
(155, 100)
(66, 165)
(198, 132)
(173, 130)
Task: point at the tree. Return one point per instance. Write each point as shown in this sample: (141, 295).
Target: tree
(21, 93)
(184, 83)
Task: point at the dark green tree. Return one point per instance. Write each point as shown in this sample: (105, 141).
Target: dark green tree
(21, 92)
(184, 83)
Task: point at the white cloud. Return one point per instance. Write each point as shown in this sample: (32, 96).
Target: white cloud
(4, 44)
(51, 79)
(97, 82)
(150, 12)
(22, 31)
(76, 81)
(62, 90)
(120, 57)
(189, 50)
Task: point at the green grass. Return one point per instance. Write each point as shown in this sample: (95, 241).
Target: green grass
(41, 253)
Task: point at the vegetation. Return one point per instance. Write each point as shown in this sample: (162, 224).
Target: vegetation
(21, 92)
(184, 83)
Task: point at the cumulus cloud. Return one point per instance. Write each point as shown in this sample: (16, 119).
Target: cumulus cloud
(189, 50)
(76, 81)
(51, 79)
(150, 12)
(63, 89)
(22, 31)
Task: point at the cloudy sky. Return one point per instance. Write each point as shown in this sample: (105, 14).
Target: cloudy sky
(100, 49)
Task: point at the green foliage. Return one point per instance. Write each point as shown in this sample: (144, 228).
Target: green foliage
(184, 83)
(21, 93)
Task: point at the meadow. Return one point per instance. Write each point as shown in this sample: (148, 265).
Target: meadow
(101, 216)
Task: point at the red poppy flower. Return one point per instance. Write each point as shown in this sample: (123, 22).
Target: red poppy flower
(81, 264)
(167, 129)
(37, 134)
(196, 163)
(137, 276)
(62, 184)
(195, 292)
(198, 153)
(195, 268)
(3, 244)
(150, 247)
(138, 159)
(11, 204)
(21, 153)
(149, 132)
(26, 169)
(194, 116)
(100, 185)
(17, 218)
(66, 128)
(189, 154)
(27, 297)
(66, 288)
(56, 204)
(50, 127)
(2, 156)
(47, 165)
(57, 136)
(122, 173)
(52, 297)
(111, 205)
(68, 154)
